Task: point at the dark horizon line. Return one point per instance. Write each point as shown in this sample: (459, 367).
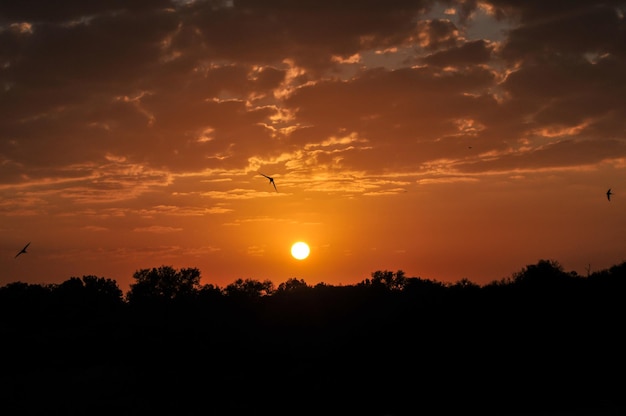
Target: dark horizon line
(462, 281)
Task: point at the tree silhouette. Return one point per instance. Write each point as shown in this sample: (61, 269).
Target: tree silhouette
(21, 301)
(164, 284)
(102, 289)
(292, 285)
(88, 297)
(249, 288)
(387, 279)
(544, 273)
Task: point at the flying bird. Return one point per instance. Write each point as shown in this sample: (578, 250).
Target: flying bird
(608, 194)
(22, 250)
(271, 181)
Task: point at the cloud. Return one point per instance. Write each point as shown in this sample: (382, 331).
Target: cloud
(117, 113)
(157, 229)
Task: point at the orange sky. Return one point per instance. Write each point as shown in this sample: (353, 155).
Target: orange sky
(449, 140)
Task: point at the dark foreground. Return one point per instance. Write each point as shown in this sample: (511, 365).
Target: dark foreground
(504, 350)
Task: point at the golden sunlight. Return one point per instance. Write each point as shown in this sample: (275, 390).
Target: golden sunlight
(300, 250)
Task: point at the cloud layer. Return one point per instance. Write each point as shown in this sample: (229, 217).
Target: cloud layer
(155, 119)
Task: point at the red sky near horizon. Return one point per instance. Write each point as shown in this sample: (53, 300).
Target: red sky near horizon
(447, 139)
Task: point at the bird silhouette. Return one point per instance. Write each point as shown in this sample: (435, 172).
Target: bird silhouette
(608, 194)
(271, 181)
(22, 250)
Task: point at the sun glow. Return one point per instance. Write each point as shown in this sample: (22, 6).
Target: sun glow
(300, 250)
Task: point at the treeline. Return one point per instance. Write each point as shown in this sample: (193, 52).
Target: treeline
(542, 340)
(167, 285)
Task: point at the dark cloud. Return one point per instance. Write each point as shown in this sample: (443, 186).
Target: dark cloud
(594, 29)
(471, 53)
(532, 11)
(437, 34)
(65, 11)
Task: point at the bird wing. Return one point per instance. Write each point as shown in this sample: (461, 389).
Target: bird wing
(23, 250)
(271, 180)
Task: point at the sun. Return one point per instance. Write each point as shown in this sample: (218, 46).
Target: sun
(300, 250)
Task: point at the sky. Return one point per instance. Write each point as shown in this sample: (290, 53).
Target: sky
(450, 140)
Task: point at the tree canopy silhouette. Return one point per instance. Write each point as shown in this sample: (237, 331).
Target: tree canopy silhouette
(164, 284)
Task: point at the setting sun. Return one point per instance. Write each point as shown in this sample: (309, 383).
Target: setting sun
(300, 250)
